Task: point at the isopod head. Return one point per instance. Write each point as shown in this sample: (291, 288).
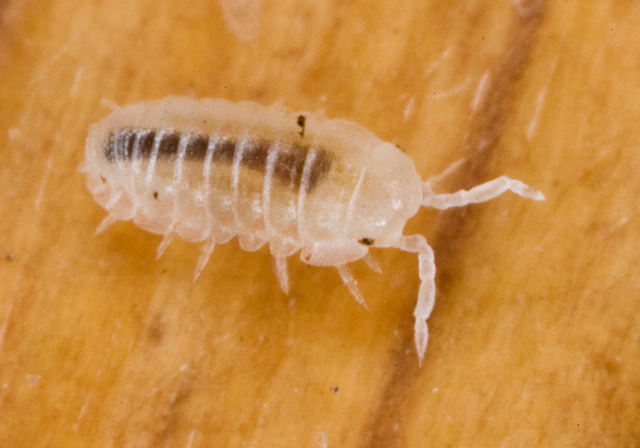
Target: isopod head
(389, 192)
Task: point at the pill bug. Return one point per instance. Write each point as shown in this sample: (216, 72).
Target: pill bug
(208, 170)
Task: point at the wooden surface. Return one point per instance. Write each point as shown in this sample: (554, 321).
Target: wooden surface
(536, 332)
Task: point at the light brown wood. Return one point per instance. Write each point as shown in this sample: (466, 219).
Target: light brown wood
(535, 335)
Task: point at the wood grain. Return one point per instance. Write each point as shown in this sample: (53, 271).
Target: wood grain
(535, 335)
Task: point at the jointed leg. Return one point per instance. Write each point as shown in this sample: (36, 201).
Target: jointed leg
(480, 193)
(372, 263)
(204, 257)
(352, 284)
(166, 240)
(427, 292)
(111, 218)
(283, 275)
(107, 222)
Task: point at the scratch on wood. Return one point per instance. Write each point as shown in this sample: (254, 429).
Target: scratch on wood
(46, 68)
(83, 410)
(242, 17)
(453, 91)
(191, 437)
(45, 178)
(431, 67)
(77, 78)
(481, 91)
(534, 121)
(409, 109)
(322, 440)
(541, 98)
(5, 323)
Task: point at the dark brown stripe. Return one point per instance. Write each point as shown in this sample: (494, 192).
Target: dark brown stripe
(319, 168)
(254, 154)
(145, 143)
(224, 151)
(290, 164)
(168, 146)
(288, 168)
(120, 145)
(290, 161)
(197, 147)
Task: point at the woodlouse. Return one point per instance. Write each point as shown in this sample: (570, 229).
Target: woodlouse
(208, 170)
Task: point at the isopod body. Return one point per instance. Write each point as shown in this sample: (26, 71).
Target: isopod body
(208, 170)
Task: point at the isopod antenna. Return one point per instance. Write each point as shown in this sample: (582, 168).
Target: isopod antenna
(427, 291)
(480, 193)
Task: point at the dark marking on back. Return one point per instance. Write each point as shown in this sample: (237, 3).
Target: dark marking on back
(145, 143)
(168, 146)
(254, 154)
(224, 151)
(127, 144)
(290, 164)
(119, 145)
(319, 168)
(196, 147)
(366, 241)
(301, 122)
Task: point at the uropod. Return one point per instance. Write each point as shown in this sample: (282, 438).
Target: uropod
(208, 170)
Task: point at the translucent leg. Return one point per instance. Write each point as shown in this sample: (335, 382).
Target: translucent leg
(427, 292)
(351, 284)
(113, 200)
(481, 193)
(372, 263)
(204, 258)
(282, 273)
(166, 240)
(108, 221)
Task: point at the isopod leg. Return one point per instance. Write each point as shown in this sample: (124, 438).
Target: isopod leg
(106, 222)
(352, 284)
(372, 263)
(166, 240)
(481, 193)
(204, 258)
(113, 200)
(427, 292)
(282, 273)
